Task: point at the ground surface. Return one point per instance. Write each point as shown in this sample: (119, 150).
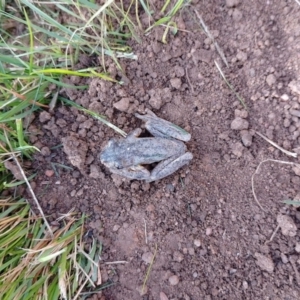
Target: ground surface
(213, 240)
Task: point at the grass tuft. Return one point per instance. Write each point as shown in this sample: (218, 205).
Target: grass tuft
(35, 266)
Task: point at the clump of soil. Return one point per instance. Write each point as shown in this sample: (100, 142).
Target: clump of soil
(208, 237)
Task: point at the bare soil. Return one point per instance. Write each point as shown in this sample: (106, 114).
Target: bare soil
(209, 237)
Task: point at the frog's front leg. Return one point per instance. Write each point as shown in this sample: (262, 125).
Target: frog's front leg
(135, 172)
(169, 166)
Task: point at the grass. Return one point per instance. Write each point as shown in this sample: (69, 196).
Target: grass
(40, 44)
(34, 265)
(149, 270)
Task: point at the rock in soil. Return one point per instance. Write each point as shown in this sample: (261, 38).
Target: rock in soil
(271, 79)
(232, 3)
(76, 150)
(264, 262)
(147, 257)
(287, 225)
(246, 137)
(239, 124)
(123, 104)
(44, 116)
(174, 280)
(163, 296)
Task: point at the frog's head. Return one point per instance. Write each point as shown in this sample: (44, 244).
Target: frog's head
(108, 156)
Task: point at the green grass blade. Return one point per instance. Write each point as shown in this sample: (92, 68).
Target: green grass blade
(50, 20)
(20, 132)
(14, 184)
(31, 41)
(292, 202)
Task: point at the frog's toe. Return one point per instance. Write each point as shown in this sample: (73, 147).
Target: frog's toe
(134, 134)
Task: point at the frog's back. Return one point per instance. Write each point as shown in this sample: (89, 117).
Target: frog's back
(147, 150)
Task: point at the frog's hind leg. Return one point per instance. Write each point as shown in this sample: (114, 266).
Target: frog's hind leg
(162, 128)
(169, 166)
(135, 172)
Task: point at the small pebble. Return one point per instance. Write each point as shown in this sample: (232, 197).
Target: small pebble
(286, 123)
(156, 102)
(146, 186)
(208, 231)
(45, 151)
(49, 173)
(95, 172)
(252, 72)
(134, 186)
(170, 188)
(264, 262)
(122, 105)
(156, 47)
(117, 179)
(178, 256)
(295, 112)
(237, 15)
(241, 56)
(174, 280)
(271, 79)
(176, 83)
(287, 225)
(147, 257)
(179, 71)
(163, 296)
(191, 251)
(246, 138)
(237, 149)
(232, 3)
(61, 123)
(297, 247)
(284, 97)
(284, 258)
(116, 227)
(197, 243)
(239, 124)
(202, 55)
(143, 290)
(44, 116)
(240, 113)
(295, 87)
(232, 271)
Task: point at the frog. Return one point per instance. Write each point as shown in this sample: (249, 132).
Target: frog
(130, 156)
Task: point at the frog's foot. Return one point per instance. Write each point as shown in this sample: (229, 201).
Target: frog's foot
(135, 172)
(169, 166)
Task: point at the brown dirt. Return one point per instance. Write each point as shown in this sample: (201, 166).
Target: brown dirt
(212, 239)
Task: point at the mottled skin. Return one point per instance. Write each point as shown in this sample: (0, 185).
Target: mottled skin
(127, 156)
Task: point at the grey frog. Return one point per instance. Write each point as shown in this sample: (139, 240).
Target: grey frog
(127, 156)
